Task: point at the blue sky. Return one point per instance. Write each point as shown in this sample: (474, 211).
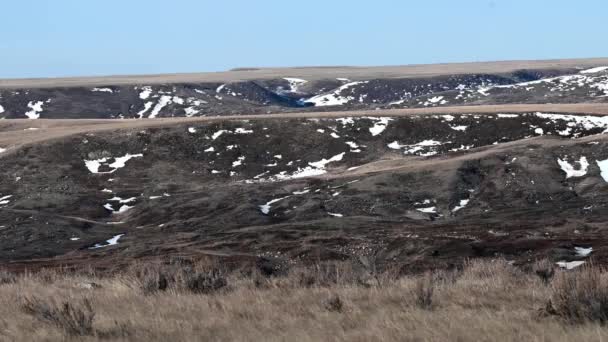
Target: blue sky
(47, 38)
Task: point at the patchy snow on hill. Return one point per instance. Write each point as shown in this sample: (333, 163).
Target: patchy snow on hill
(294, 83)
(335, 98)
(463, 203)
(110, 242)
(429, 210)
(4, 200)
(569, 265)
(162, 103)
(603, 165)
(147, 107)
(586, 122)
(265, 208)
(594, 70)
(379, 126)
(119, 162)
(322, 163)
(583, 252)
(102, 90)
(36, 109)
(573, 172)
(145, 93)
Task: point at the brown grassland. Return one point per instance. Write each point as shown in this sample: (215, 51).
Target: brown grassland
(347, 301)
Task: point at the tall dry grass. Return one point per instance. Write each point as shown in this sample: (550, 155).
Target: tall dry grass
(485, 301)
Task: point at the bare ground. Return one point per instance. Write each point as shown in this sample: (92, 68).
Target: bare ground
(17, 132)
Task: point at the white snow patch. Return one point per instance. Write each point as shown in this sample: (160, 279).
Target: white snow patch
(36, 109)
(571, 171)
(147, 107)
(145, 93)
(334, 135)
(583, 252)
(379, 126)
(463, 203)
(335, 214)
(2, 150)
(322, 163)
(210, 149)
(103, 90)
(191, 130)
(238, 162)
(603, 165)
(265, 208)
(587, 122)
(539, 131)
(334, 98)
(429, 210)
(164, 101)
(504, 116)
(5, 199)
(294, 83)
(242, 131)
(218, 133)
(594, 70)
(94, 165)
(459, 128)
(110, 242)
(569, 265)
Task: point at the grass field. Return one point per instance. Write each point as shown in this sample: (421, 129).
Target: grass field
(484, 301)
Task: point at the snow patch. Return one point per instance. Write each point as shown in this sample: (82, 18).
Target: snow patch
(569, 265)
(103, 90)
(94, 165)
(110, 242)
(334, 98)
(265, 208)
(594, 70)
(603, 165)
(36, 109)
(571, 171)
(583, 252)
(379, 126)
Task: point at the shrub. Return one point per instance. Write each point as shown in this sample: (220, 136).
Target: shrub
(7, 278)
(545, 270)
(580, 297)
(424, 290)
(205, 282)
(153, 282)
(334, 304)
(75, 319)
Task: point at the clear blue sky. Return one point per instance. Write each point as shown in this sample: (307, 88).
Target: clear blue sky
(41, 38)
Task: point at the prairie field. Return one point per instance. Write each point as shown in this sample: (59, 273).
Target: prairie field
(482, 301)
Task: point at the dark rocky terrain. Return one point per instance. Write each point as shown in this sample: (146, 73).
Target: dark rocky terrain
(423, 190)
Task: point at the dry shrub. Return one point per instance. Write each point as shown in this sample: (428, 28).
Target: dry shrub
(545, 270)
(205, 282)
(7, 278)
(153, 282)
(491, 273)
(74, 318)
(334, 304)
(580, 297)
(424, 290)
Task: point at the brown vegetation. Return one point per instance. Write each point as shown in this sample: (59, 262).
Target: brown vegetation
(485, 301)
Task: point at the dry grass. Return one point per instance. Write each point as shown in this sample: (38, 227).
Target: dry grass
(486, 301)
